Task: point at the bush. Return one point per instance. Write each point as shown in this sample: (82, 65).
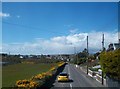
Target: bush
(110, 62)
(26, 84)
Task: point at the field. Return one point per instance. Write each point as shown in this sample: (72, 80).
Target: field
(12, 73)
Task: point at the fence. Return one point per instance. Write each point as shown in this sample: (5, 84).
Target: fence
(108, 82)
(112, 82)
(91, 73)
(99, 79)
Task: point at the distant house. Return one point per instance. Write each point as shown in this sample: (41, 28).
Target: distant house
(117, 45)
(98, 66)
(113, 46)
(21, 57)
(49, 57)
(110, 47)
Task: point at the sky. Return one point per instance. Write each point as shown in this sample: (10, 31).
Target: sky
(57, 27)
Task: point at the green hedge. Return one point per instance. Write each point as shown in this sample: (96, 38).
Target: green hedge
(110, 62)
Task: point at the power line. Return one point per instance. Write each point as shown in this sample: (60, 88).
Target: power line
(31, 27)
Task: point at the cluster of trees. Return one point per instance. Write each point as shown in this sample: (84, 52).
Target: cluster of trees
(110, 62)
(80, 57)
(43, 59)
(83, 57)
(13, 59)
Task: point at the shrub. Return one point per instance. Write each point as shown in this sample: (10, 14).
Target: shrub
(26, 84)
(110, 62)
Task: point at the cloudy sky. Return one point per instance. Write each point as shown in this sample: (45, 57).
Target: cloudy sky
(55, 28)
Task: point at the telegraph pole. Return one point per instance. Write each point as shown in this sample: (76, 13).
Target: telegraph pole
(9, 53)
(77, 58)
(102, 50)
(87, 54)
(75, 52)
(103, 42)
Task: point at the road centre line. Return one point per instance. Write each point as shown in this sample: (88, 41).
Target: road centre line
(84, 76)
(69, 70)
(70, 76)
(70, 86)
(72, 68)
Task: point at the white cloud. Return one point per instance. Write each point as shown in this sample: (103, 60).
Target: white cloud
(76, 38)
(4, 14)
(62, 44)
(59, 39)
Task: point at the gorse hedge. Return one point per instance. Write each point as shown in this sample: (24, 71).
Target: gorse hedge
(110, 62)
(37, 80)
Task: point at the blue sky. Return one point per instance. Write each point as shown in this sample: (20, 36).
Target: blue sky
(28, 22)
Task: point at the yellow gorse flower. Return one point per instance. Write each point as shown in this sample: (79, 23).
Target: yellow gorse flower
(26, 83)
(32, 82)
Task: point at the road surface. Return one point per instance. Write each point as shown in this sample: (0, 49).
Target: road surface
(78, 77)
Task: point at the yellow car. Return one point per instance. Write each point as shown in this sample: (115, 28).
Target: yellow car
(63, 77)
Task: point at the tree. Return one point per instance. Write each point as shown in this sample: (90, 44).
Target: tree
(82, 57)
(96, 54)
(110, 62)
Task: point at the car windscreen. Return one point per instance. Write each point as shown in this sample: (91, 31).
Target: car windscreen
(63, 74)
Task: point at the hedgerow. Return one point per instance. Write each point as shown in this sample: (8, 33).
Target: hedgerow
(110, 62)
(37, 80)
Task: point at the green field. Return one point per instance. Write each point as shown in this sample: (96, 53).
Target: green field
(11, 73)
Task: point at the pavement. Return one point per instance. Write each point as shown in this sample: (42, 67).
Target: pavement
(78, 79)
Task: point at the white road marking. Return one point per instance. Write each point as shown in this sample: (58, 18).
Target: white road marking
(69, 72)
(70, 86)
(69, 76)
(84, 77)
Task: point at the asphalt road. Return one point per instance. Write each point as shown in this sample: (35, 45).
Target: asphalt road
(78, 77)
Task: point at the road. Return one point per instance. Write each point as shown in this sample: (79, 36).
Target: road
(78, 77)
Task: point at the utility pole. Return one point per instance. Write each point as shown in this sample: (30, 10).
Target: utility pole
(75, 52)
(87, 54)
(103, 42)
(102, 50)
(9, 54)
(77, 58)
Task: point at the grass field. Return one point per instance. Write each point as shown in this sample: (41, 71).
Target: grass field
(11, 73)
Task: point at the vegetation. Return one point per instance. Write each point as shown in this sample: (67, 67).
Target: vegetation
(40, 79)
(14, 59)
(22, 68)
(12, 73)
(11, 59)
(80, 57)
(110, 62)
